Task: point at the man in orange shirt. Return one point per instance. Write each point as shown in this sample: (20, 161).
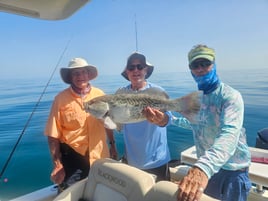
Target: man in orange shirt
(76, 139)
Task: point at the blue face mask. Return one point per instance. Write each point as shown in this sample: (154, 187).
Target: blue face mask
(208, 82)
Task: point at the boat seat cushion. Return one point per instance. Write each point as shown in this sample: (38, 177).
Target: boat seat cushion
(167, 191)
(263, 134)
(111, 180)
(162, 190)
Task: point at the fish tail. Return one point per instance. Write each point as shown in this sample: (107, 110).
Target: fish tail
(189, 105)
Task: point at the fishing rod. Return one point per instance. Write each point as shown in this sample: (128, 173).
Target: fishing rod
(33, 111)
(136, 33)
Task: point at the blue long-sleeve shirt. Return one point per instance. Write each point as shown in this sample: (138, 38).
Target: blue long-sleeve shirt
(146, 144)
(219, 135)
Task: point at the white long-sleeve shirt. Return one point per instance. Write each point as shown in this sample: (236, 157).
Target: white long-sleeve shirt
(219, 135)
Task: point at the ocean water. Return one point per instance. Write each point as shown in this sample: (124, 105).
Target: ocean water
(29, 167)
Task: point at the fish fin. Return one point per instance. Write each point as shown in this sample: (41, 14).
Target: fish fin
(190, 104)
(124, 91)
(154, 91)
(108, 123)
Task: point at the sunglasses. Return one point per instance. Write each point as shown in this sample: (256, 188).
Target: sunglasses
(133, 67)
(203, 64)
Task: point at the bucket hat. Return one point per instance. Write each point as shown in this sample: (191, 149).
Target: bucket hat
(143, 61)
(77, 63)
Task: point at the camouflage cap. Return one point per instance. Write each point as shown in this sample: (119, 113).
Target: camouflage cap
(201, 51)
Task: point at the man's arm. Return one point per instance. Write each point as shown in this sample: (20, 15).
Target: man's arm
(58, 173)
(110, 135)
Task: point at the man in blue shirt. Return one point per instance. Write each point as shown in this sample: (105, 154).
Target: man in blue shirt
(146, 144)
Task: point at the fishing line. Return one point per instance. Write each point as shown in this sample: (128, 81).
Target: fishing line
(33, 111)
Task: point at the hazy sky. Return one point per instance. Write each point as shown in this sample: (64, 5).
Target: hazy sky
(103, 32)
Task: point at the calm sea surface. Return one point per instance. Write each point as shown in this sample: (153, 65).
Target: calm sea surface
(30, 165)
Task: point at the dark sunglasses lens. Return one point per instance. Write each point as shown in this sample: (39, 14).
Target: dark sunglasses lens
(203, 64)
(140, 67)
(133, 67)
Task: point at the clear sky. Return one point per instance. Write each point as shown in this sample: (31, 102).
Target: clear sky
(103, 32)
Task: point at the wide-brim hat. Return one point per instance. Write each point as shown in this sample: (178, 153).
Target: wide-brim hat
(142, 58)
(78, 63)
(201, 51)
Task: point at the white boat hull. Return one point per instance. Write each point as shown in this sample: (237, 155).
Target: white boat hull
(44, 194)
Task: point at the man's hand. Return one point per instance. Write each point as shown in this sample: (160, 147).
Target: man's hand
(192, 186)
(58, 174)
(155, 116)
